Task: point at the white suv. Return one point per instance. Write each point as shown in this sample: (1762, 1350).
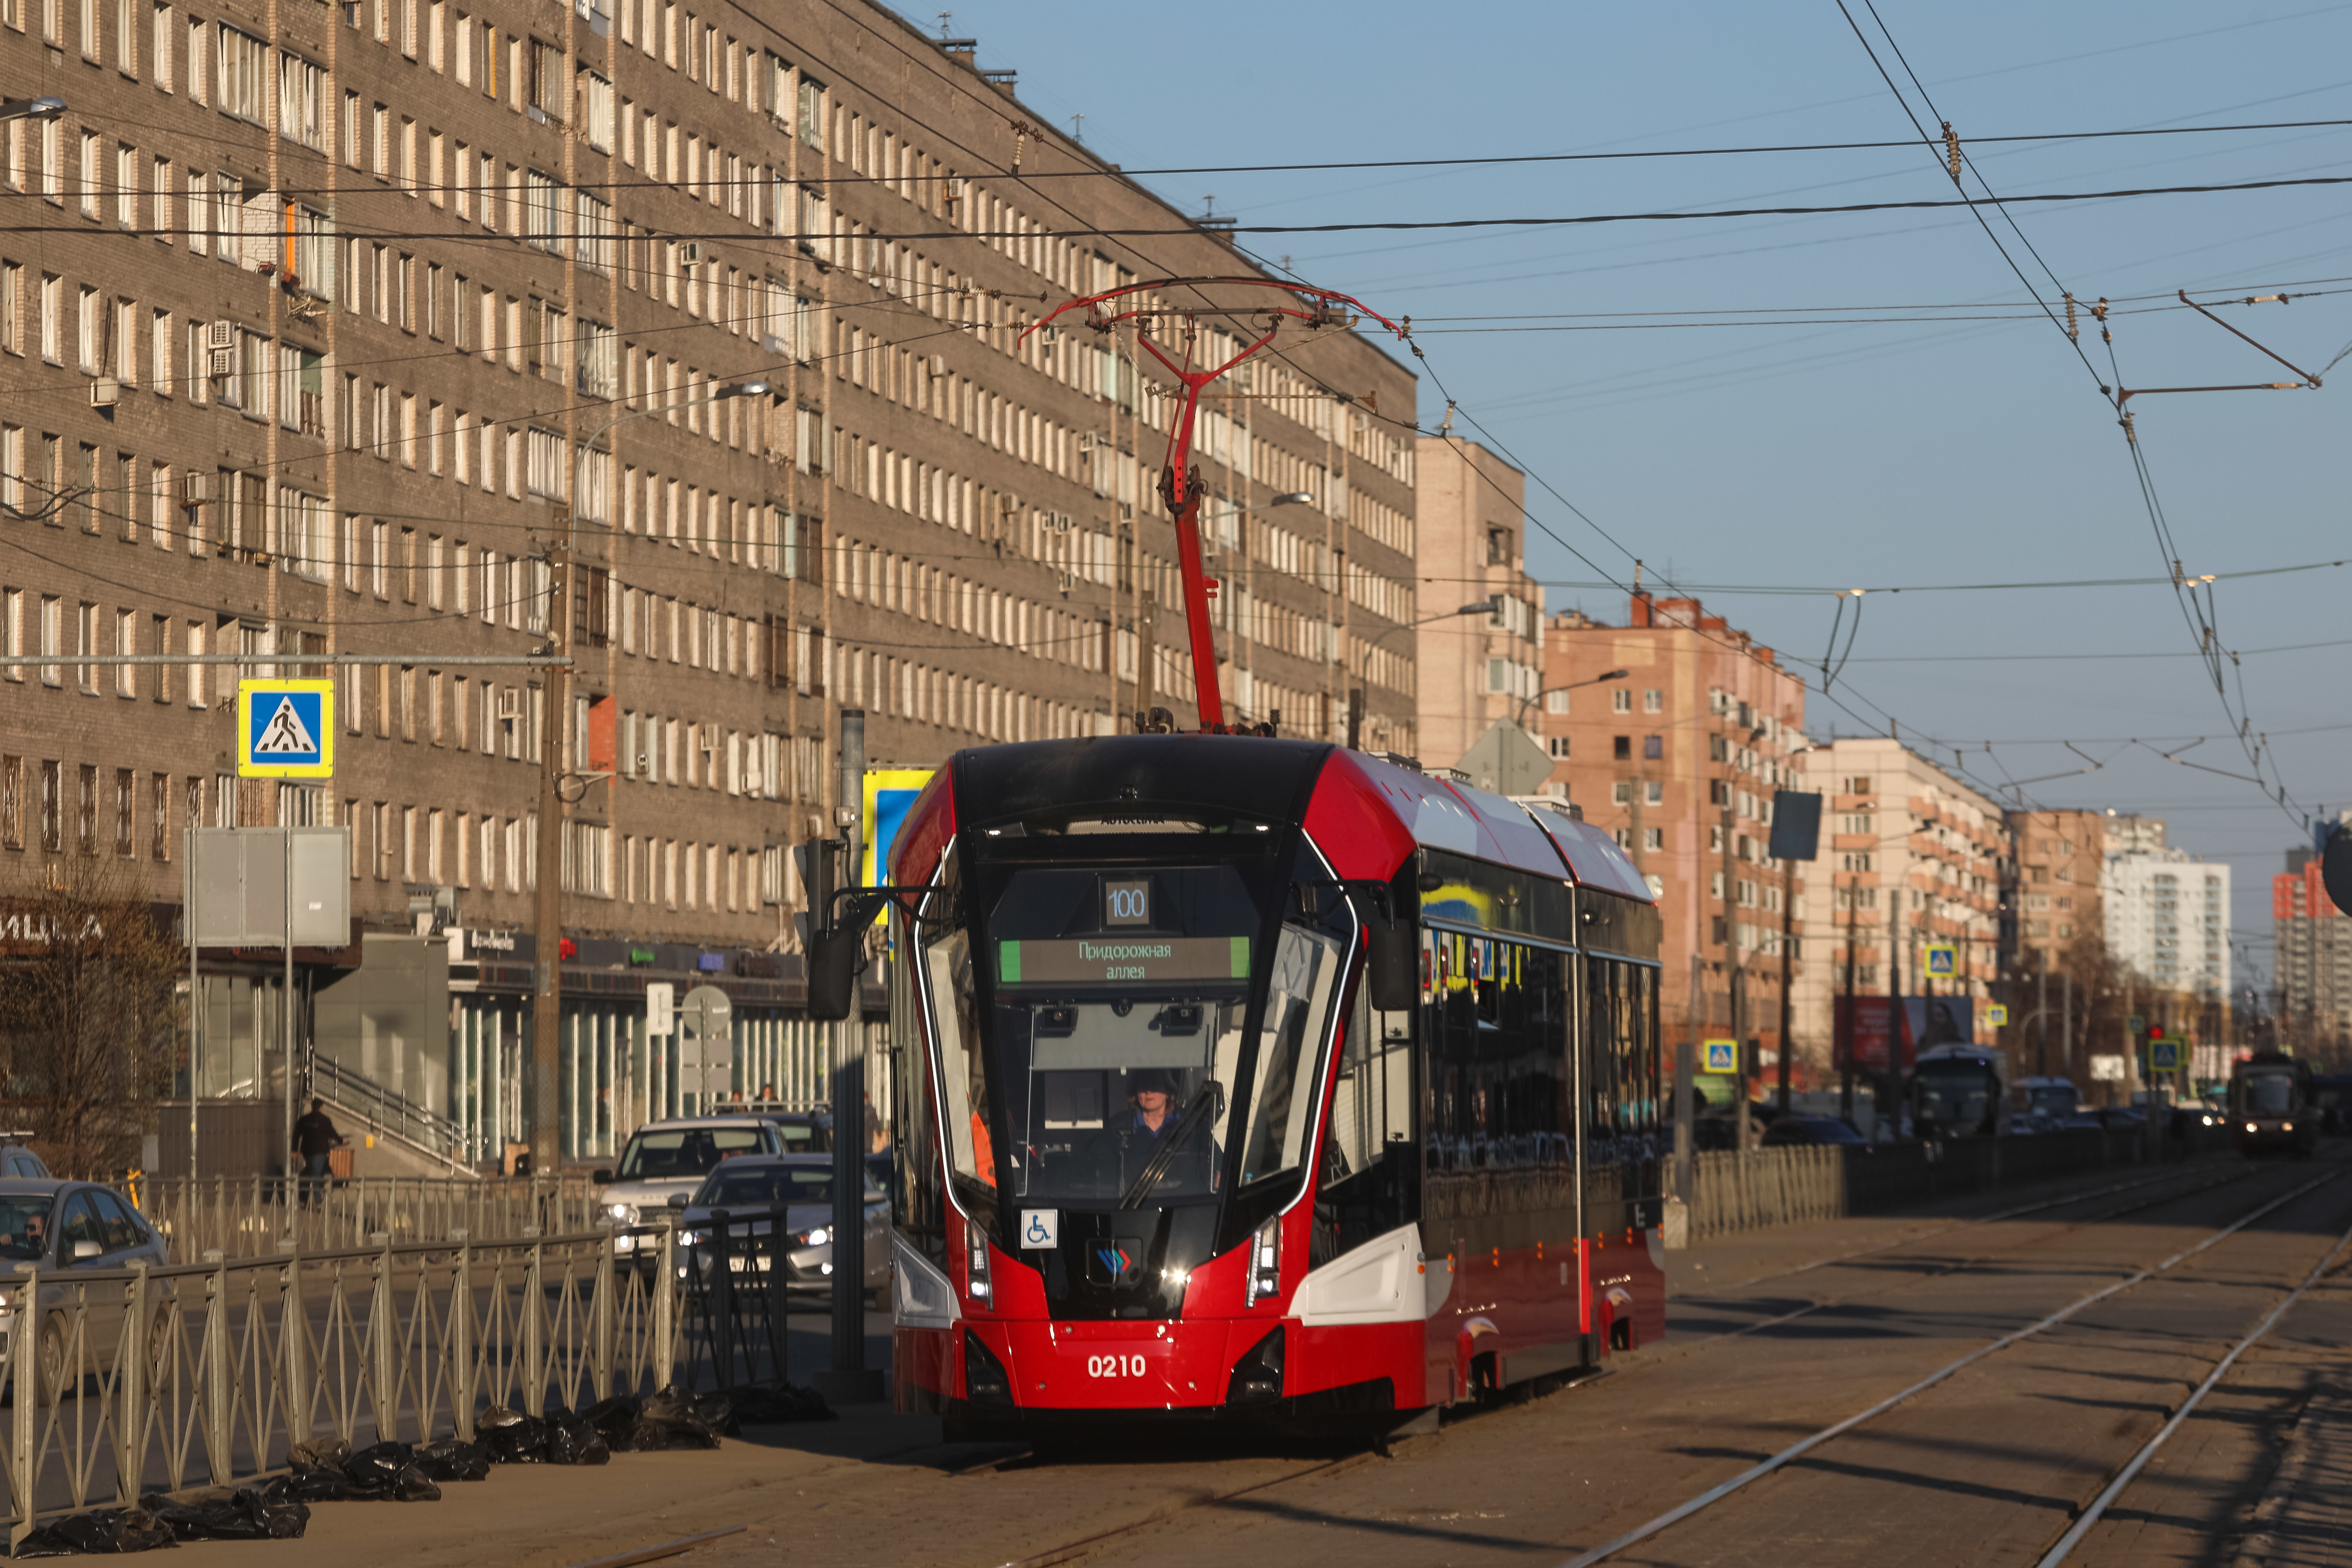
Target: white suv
(664, 1161)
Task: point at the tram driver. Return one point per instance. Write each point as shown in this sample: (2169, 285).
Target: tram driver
(1155, 1130)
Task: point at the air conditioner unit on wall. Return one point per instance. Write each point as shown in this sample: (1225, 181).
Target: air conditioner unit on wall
(222, 336)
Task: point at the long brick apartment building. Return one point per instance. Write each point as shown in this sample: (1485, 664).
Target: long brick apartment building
(321, 324)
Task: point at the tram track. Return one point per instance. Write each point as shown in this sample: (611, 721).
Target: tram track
(1200, 1501)
(1779, 1460)
(2118, 1484)
(1672, 1351)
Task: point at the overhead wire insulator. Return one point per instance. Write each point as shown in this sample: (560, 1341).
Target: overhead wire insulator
(1952, 151)
(2070, 316)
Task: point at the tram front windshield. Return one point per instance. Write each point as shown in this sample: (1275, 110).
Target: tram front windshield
(1953, 1097)
(2268, 1093)
(1131, 1036)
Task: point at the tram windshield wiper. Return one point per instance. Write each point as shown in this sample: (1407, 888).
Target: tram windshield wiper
(1195, 1114)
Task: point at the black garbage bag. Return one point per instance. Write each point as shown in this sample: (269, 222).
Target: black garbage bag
(319, 1453)
(615, 1418)
(785, 1402)
(319, 1486)
(317, 1470)
(511, 1437)
(101, 1532)
(376, 1470)
(268, 1513)
(571, 1440)
(675, 1418)
(453, 1460)
(390, 1470)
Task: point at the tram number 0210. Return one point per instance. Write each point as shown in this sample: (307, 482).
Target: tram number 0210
(1115, 1366)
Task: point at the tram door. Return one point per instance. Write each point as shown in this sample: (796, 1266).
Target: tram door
(1370, 1179)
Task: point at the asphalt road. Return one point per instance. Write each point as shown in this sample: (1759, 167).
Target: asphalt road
(1773, 1339)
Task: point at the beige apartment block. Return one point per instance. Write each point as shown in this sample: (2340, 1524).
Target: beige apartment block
(1480, 669)
(323, 325)
(1913, 854)
(1680, 759)
(2061, 863)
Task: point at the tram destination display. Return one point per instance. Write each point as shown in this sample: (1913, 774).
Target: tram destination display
(1122, 959)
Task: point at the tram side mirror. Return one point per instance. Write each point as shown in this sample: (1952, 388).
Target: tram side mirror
(833, 972)
(1395, 965)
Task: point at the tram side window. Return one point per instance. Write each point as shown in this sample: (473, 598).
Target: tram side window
(1370, 1180)
(1498, 1059)
(1622, 1105)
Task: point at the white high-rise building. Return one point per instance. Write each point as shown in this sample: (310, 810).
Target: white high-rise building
(2167, 912)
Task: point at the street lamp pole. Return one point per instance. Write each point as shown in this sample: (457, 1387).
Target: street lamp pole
(1485, 606)
(554, 733)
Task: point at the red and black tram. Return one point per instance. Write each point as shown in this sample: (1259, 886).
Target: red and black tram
(1247, 1077)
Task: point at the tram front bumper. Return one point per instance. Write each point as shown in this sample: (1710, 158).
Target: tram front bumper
(1107, 1366)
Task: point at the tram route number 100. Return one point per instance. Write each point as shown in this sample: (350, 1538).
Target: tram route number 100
(1115, 1366)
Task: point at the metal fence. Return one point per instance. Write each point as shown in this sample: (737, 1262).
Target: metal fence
(1757, 1188)
(254, 1216)
(122, 1382)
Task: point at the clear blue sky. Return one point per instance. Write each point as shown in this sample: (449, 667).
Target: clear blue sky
(1832, 454)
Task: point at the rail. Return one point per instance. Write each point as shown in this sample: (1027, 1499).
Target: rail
(392, 1114)
(126, 1382)
(252, 1216)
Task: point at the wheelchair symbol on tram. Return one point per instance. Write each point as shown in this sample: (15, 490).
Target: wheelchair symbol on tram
(1041, 1229)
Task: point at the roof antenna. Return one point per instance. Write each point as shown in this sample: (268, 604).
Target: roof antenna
(1078, 129)
(945, 17)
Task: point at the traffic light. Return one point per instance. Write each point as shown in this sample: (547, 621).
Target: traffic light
(2156, 1031)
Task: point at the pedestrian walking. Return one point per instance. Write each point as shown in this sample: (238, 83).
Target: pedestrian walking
(315, 1139)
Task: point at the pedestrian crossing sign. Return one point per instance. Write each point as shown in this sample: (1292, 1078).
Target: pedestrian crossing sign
(1942, 960)
(285, 729)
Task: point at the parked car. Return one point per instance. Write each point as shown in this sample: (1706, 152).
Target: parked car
(1812, 1131)
(802, 1186)
(17, 1159)
(62, 1227)
(670, 1159)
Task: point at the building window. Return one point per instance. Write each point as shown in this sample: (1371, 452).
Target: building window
(1621, 701)
(1621, 748)
(1654, 702)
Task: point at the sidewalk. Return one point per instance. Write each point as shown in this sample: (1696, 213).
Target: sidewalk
(2304, 1520)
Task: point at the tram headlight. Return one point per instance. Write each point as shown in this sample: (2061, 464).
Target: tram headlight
(1265, 1263)
(2250, 1127)
(977, 1284)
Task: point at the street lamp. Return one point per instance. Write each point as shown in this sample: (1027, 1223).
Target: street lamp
(1520, 719)
(31, 108)
(753, 388)
(547, 992)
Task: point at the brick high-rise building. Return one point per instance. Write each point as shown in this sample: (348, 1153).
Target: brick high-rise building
(324, 324)
(1915, 856)
(1679, 758)
(1474, 670)
(2313, 948)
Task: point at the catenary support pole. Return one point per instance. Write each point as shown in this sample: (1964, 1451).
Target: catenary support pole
(546, 996)
(849, 1090)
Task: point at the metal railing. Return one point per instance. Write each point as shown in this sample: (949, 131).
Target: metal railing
(392, 1114)
(1752, 1189)
(251, 1216)
(127, 1382)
